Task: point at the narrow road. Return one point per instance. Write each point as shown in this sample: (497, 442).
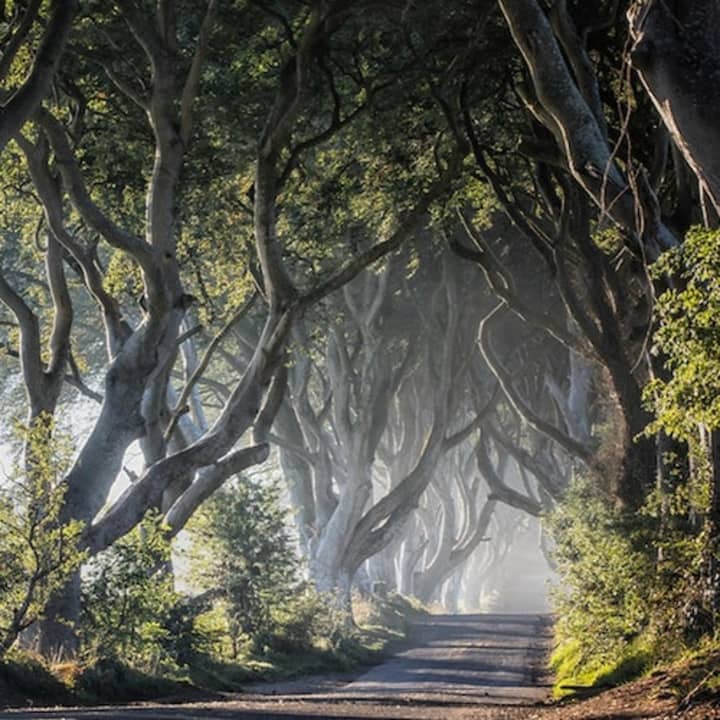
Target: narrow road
(456, 667)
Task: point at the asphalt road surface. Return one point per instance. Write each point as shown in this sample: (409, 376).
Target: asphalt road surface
(455, 667)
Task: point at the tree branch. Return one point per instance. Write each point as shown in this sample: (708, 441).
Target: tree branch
(27, 98)
(192, 81)
(30, 350)
(575, 448)
(406, 226)
(205, 361)
(498, 489)
(89, 211)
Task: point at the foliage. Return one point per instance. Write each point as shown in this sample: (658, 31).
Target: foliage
(629, 594)
(111, 680)
(242, 547)
(688, 338)
(37, 550)
(686, 403)
(389, 96)
(628, 581)
(602, 599)
(130, 608)
(253, 615)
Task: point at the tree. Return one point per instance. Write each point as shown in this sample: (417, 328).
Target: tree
(675, 53)
(244, 555)
(459, 536)
(549, 186)
(156, 93)
(369, 381)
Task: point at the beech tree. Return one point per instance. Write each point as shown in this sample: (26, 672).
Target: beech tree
(675, 51)
(171, 50)
(461, 529)
(592, 223)
(368, 382)
(229, 226)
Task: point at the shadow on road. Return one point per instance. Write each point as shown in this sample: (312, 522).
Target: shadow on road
(484, 664)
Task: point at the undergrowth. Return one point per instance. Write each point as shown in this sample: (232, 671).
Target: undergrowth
(630, 600)
(381, 622)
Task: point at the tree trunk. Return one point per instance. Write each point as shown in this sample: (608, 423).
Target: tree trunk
(573, 120)
(676, 52)
(56, 638)
(639, 451)
(298, 476)
(88, 485)
(713, 531)
(451, 592)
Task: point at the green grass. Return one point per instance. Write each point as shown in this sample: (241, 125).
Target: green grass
(114, 681)
(697, 672)
(683, 673)
(228, 676)
(381, 624)
(576, 674)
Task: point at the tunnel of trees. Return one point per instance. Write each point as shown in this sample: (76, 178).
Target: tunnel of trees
(441, 268)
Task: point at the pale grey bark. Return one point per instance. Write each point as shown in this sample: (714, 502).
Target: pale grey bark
(414, 545)
(576, 406)
(297, 472)
(362, 388)
(578, 449)
(499, 489)
(43, 380)
(460, 536)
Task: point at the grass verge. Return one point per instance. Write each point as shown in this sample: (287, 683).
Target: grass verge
(381, 624)
(576, 675)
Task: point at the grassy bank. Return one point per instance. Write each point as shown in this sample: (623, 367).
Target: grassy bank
(688, 687)
(381, 624)
(684, 677)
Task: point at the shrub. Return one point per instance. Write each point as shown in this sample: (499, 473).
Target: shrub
(24, 676)
(111, 680)
(688, 338)
(243, 548)
(629, 593)
(686, 403)
(606, 569)
(37, 551)
(131, 611)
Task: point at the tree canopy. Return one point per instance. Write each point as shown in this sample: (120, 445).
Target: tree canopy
(434, 260)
